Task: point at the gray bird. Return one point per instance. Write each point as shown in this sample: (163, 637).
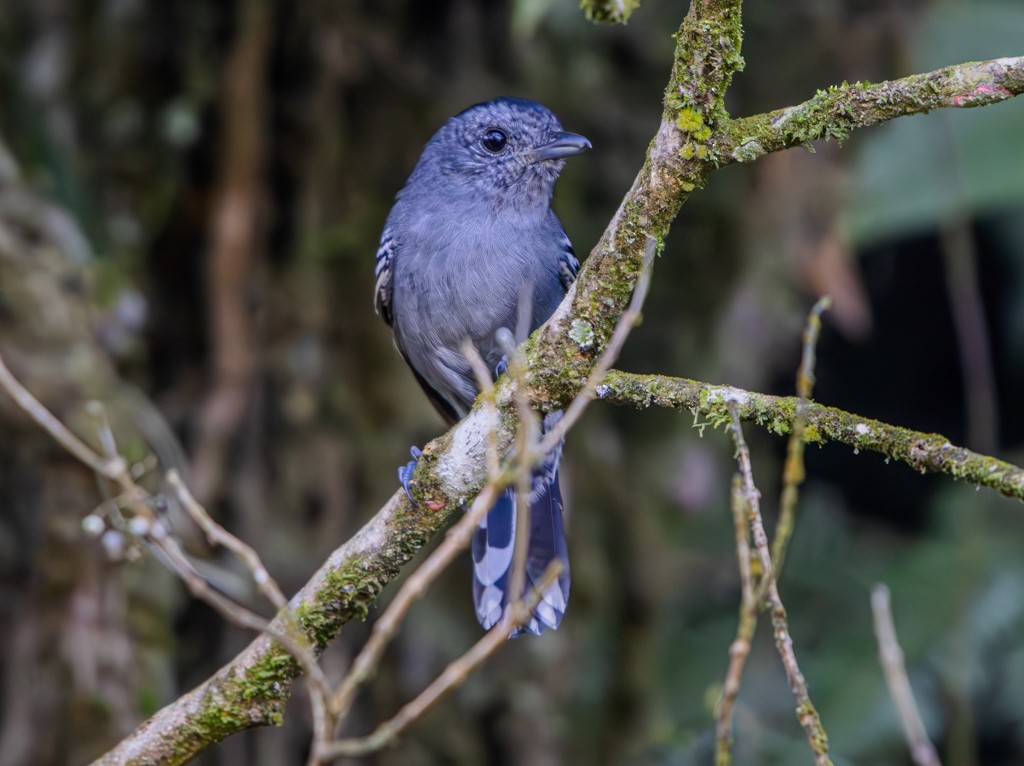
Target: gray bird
(471, 236)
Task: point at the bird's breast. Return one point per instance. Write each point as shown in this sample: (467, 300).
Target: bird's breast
(469, 280)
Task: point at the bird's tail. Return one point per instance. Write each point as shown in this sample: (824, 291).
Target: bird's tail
(493, 544)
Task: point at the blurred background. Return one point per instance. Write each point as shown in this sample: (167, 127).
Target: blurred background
(191, 196)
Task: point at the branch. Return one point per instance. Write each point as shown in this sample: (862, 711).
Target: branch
(806, 713)
(922, 751)
(562, 353)
(252, 688)
(746, 504)
(454, 674)
(793, 473)
(835, 112)
(928, 453)
(739, 650)
(697, 136)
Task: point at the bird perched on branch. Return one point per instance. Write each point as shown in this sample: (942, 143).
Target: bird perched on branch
(471, 245)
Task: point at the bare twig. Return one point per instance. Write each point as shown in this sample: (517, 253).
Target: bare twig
(751, 500)
(526, 437)
(793, 471)
(739, 650)
(745, 500)
(146, 526)
(806, 713)
(217, 535)
(384, 630)
(891, 657)
(110, 469)
(485, 383)
(517, 615)
(291, 637)
(198, 586)
(107, 441)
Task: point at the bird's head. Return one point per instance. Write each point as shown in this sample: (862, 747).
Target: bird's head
(508, 150)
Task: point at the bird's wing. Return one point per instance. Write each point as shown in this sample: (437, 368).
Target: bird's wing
(568, 264)
(441, 403)
(384, 270)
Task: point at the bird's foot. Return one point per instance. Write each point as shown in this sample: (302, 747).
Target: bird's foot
(502, 368)
(405, 471)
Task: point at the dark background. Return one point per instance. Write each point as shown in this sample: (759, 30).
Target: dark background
(190, 199)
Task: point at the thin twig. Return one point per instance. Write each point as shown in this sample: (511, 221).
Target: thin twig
(110, 469)
(517, 615)
(744, 498)
(322, 726)
(526, 437)
(218, 536)
(384, 630)
(752, 500)
(891, 657)
(150, 529)
(107, 441)
(739, 650)
(199, 586)
(806, 713)
(793, 473)
(292, 637)
(485, 383)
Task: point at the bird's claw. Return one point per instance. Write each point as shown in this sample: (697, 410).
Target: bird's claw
(502, 368)
(405, 471)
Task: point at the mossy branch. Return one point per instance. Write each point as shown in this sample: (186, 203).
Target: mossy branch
(927, 453)
(252, 688)
(707, 56)
(835, 112)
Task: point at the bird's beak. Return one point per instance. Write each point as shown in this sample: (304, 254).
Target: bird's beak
(563, 144)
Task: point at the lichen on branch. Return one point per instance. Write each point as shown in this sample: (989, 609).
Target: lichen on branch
(835, 112)
(928, 453)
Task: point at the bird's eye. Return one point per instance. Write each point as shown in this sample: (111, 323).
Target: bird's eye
(494, 140)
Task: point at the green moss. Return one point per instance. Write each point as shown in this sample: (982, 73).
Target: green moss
(609, 11)
(346, 594)
(690, 120)
(254, 697)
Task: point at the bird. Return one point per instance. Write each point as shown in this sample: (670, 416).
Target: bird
(470, 246)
